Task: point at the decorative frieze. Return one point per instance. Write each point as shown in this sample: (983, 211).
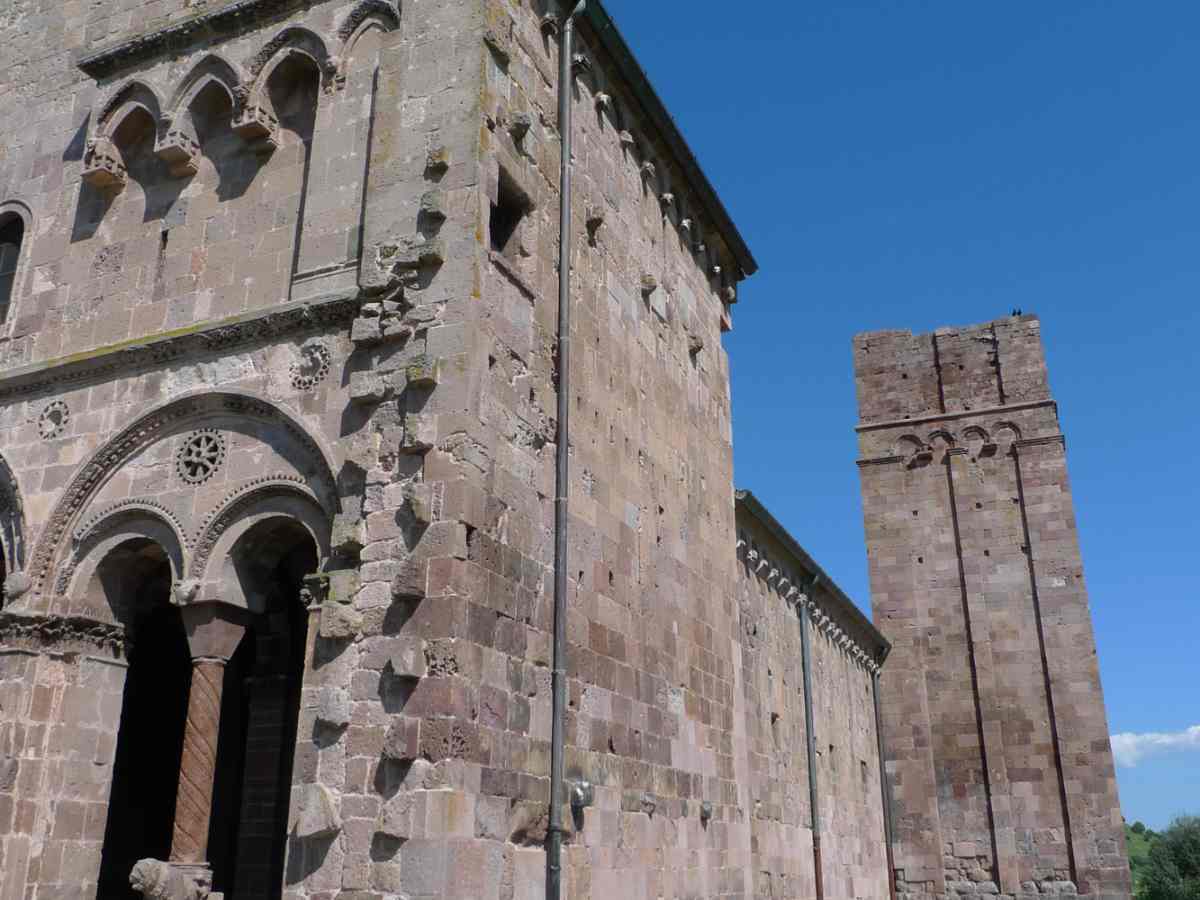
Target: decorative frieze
(60, 634)
(220, 336)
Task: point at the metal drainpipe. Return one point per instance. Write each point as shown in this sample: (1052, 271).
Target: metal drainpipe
(883, 787)
(814, 798)
(561, 479)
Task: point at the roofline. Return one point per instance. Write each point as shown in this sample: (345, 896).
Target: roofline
(845, 605)
(610, 37)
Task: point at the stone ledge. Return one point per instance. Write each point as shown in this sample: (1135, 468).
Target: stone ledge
(60, 634)
(961, 414)
(221, 334)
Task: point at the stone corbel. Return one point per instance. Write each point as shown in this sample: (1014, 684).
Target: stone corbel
(258, 127)
(102, 166)
(180, 152)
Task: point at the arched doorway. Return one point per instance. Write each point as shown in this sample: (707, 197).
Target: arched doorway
(135, 579)
(260, 711)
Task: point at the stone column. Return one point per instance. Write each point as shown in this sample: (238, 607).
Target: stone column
(214, 631)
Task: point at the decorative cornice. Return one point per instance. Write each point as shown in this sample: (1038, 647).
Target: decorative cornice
(59, 634)
(961, 414)
(221, 335)
(834, 613)
(212, 25)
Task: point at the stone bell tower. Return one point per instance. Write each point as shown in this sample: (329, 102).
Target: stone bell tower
(998, 754)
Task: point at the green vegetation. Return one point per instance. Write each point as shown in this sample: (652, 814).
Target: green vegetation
(1138, 840)
(1166, 865)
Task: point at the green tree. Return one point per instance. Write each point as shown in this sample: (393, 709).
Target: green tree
(1172, 870)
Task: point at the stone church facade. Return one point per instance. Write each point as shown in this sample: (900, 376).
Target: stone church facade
(277, 399)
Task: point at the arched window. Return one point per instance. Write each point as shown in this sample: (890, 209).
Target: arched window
(12, 233)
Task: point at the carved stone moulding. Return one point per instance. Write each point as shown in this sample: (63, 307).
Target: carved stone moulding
(59, 634)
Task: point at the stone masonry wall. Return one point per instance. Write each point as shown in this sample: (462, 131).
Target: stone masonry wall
(771, 586)
(653, 713)
(60, 701)
(997, 743)
(272, 231)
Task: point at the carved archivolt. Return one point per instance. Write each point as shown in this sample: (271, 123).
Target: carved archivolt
(384, 14)
(12, 522)
(293, 40)
(234, 507)
(155, 426)
(121, 522)
(131, 96)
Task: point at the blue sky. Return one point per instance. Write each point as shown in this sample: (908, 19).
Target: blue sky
(915, 164)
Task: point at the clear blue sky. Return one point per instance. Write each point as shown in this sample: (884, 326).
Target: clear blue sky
(915, 164)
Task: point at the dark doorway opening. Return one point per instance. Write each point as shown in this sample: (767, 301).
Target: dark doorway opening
(141, 807)
(260, 715)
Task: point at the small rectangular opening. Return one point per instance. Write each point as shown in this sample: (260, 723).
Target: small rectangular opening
(508, 212)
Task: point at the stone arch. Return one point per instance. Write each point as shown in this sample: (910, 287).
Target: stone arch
(12, 535)
(130, 98)
(150, 428)
(294, 40)
(942, 435)
(368, 15)
(1005, 435)
(214, 566)
(90, 585)
(212, 69)
(16, 223)
(976, 439)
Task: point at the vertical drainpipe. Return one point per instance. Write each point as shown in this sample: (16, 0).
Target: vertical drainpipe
(561, 459)
(883, 786)
(814, 798)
